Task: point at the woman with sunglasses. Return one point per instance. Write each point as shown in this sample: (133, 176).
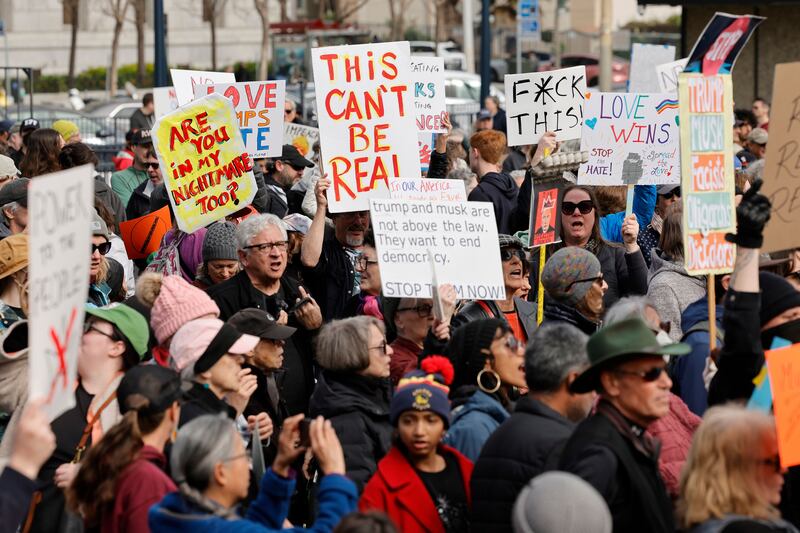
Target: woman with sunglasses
(489, 365)
(733, 477)
(624, 269)
(99, 291)
(651, 234)
(353, 391)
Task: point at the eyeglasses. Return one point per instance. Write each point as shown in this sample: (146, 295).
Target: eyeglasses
(243, 455)
(662, 326)
(287, 111)
(282, 246)
(363, 262)
(383, 347)
(148, 166)
(296, 168)
(102, 248)
(647, 375)
(512, 343)
(584, 206)
(89, 326)
(423, 310)
(773, 463)
(507, 254)
(585, 280)
(669, 195)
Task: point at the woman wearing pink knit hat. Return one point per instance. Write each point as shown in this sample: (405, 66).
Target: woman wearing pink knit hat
(173, 302)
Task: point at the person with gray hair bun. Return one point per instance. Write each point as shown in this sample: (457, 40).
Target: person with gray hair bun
(353, 391)
(574, 285)
(530, 441)
(262, 247)
(560, 502)
(213, 477)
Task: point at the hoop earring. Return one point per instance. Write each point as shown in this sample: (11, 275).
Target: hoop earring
(485, 389)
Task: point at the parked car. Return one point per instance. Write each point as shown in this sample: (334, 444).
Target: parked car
(619, 68)
(94, 130)
(468, 86)
(454, 58)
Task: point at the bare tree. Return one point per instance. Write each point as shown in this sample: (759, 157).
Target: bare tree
(115, 9)
(397, 18)
(71, 17)
(139, 18)
(262, 7)
(282, 5)
(212, 11)
(344, 9)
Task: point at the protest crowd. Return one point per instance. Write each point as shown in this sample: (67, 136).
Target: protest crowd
(276, 337)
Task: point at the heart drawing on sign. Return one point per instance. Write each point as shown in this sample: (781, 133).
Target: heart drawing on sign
(591, 122)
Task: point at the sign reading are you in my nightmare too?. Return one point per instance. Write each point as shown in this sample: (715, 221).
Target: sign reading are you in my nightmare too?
(545, 101)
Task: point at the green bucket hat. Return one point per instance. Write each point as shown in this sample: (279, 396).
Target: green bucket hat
(128, 321)
(621, 341)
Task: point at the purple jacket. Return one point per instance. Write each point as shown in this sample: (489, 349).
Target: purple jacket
(190, 251)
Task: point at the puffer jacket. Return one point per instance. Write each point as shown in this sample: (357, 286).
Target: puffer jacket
(473, 422)
(675, 431)
(358, 408)
(672, 289)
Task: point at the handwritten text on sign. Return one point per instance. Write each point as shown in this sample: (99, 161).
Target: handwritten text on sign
(545, 101)
(456, 233)
(428, 190)
(259, 108)
(60, 243)
(632, 139)
(429, 101)
(186, 80)
(365, 105)
(206, 169)
(706, 104)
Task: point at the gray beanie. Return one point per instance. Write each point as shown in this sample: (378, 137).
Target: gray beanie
(220, 242)
(560, 502)
(566, 266)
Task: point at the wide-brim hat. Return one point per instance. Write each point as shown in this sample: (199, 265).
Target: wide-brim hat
(621, 341)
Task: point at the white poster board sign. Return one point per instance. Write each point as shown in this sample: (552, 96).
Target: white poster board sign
(259, 108)
(632, 139)
(545, 101)
(429, 103)
(643, 77)
(185, 81)
(667, 75)
(428, 190)
(456, 233)
(60, 220)
(365, 106)
(165, 101)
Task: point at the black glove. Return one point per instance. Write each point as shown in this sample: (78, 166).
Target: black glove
(751, 217)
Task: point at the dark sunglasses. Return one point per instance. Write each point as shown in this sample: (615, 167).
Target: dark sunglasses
(663, 326)
(647, 375)
(676, 193)
(586, 280)
(584, 206)
(423, 311)
(102, 248)
(151, 165)
(506, 254)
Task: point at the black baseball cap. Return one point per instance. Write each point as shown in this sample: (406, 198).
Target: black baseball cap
(15, 191)
(290, 155)
(259, 324)
(6, 125)
(484, 114)
(29, 124)
(141, 137)
(149, 389)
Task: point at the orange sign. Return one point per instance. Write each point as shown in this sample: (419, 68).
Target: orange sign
(783, 365)
(142, 236)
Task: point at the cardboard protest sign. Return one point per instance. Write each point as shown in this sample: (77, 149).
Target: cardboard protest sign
(165, 100)
(783, 365)
(425, 140)
(428, 190)
(365, 105)
(60, 229)
(456, 233)
(545, 215)
(259, 108)
(142, 236)
(719, 45)
(707, 184)
(782, 163)
(667, 75)
(301, 137)
(644, 60)
(427, 74)
(207, 170)
(545, 101)
(185, 81)
(632, 139)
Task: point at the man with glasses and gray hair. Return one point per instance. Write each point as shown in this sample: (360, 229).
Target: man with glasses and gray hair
(262, 246)
(530, 441)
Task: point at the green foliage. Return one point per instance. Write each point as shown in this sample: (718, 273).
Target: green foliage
(413, 33)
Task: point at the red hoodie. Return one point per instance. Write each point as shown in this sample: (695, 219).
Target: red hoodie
(141, 485)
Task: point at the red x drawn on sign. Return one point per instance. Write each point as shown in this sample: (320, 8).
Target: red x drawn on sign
(61, 353)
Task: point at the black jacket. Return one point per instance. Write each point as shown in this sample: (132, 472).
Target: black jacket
(278, 201)
(358, 408)
(526, 312)
(332, 280)
(556, 312)
(515, 160)
(437, 168)
(138, 204)
(15, 498)
(110, 199)
(297, 381)
(199, 401)
(625, 475)
(523, 447)
(502, 191)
